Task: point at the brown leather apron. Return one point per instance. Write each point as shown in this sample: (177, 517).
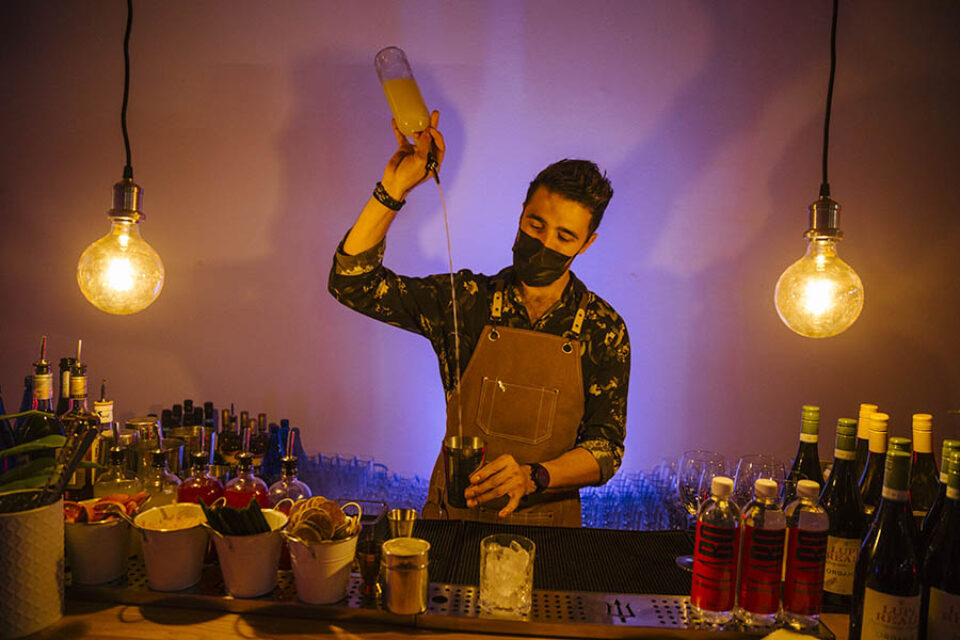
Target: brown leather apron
(522, 393)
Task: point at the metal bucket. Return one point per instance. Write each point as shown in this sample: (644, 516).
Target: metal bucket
(31, 575)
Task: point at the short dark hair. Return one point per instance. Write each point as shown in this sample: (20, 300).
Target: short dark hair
(577, 180)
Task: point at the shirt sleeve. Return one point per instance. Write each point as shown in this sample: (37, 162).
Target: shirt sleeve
(604, 426)
(362, 283)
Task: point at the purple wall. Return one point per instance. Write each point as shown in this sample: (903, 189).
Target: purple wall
(259, 129)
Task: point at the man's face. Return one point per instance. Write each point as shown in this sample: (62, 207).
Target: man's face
(559, 223)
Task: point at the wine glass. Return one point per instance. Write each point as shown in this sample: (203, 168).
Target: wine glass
(752, 467)
(694, 466)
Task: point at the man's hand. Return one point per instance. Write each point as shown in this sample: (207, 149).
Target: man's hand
(408, 166)
(502, 477)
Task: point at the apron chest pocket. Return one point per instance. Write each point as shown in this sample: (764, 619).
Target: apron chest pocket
(518, 412)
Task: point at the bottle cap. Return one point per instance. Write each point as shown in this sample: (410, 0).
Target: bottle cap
(896, 472)
(878, 422)
(721, 486)
(765, 488)
(863, 420)
(810, 419)
(808, 489)
(896, 443)
(846, 434)
(922, 422)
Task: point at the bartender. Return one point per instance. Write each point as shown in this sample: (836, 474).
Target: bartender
(544, 361)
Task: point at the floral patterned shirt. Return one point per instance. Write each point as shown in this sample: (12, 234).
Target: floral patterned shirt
(423, 305)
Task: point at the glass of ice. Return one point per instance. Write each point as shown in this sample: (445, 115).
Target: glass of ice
(506, 575)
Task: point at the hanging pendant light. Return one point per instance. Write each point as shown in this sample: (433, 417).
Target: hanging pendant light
(121, 273)
(820, 295)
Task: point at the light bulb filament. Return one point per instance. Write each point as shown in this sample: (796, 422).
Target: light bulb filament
(120, 275)
(819, 296)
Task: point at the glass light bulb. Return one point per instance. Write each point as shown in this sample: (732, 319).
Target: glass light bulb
(120, 273)
(819, 295)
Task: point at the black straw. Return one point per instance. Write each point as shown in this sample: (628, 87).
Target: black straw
(128, 169)
(825, 184)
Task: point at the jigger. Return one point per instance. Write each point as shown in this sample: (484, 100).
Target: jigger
(461, 457)
(401, 522)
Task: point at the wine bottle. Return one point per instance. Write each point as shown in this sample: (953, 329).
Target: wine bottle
(806, 464)
(177, 415)
(63, 404)
(231, 442)
(209, 416)
(81, 484)
(842, 502)
(807, 530)
(35, 426)
(761, 557)
(899, 443)
(26, 399)
(871, 482)
(886, 599)
(863, 436)
(933, 516)
(713, 589)
(940, 612)
(924, 477)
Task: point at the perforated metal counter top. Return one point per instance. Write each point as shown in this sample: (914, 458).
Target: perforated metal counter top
(451, 607)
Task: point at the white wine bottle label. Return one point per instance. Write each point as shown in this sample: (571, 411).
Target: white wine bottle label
(895, 494)
(943, 619)
(840, 454)
(809, 437)
(43, 386)
(889, 617)
(841, 561)
(78, 386)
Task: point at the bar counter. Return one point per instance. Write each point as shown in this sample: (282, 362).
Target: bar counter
(587, 583)
(127, 622)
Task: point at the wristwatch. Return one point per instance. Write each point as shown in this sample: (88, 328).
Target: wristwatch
(540, 477)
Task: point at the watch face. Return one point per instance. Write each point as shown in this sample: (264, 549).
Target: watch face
(541, 477)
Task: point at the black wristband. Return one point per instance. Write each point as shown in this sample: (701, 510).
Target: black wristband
(380, 193)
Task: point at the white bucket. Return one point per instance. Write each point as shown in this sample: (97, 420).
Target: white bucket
(322, 569)
(97, 550)
(249, 563)
(31, 568)
(173, 556)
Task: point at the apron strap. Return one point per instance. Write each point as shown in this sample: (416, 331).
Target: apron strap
(581, 314)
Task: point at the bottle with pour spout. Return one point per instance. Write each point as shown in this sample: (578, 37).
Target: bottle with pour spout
(403, 94)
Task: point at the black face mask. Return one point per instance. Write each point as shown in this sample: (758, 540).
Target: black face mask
(536, 265)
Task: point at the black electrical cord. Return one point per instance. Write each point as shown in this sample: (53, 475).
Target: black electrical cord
(825, 184)
(128, 169)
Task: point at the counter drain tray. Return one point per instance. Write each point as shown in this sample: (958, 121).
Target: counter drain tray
(566, 614)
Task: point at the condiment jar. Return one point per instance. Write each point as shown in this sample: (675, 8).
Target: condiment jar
(404, 562)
